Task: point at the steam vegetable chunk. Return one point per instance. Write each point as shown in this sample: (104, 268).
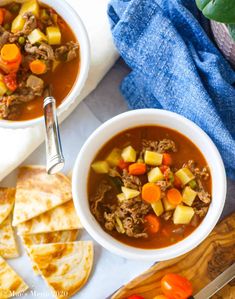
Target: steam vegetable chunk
(130, 193)
(155, 175)
(100, 167)
(30, 6)
(183, 215)
(153, 158)
(158, 207)
(114, 157)
(189, 195)
(185, 175)
(36, 36)
(129, 154)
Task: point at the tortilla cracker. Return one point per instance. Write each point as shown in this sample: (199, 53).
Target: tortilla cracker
(63, 217)
(65, 267)
(53, 237)
(8, 248)
(7, 199)
(11, 284)
(37, 192)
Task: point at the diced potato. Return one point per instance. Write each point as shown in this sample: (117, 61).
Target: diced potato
(100, 167)
(129, 154)
(17, 24)
(36, 36)
(121, 197)
(168, 206)
(114, 157)
(30, 6)
(183, 215)
(155, 175)
(53, 35)
(130, 193)
(153, 158)
(185, 175)
(189, 195)
(158, 207)
(3, 88)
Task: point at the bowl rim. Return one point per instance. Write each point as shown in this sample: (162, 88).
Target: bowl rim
(85, 54)
(130, 252)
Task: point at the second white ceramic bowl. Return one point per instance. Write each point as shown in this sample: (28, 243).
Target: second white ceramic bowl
(75, 22)
(139, 118)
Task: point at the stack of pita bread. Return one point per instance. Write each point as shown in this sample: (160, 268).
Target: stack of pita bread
(46, 221)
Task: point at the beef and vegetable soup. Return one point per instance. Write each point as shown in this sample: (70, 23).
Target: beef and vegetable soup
(39, 56)
(149, 187)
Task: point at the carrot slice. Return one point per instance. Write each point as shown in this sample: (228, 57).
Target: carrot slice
(137, 168)
(10, 53)
(153, 223)
(167, 159)
(174, 196)
(2, 14)
(151, 192)
(38, 67)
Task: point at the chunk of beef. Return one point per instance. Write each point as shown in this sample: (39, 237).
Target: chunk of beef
(167, 215)
(199, 173)
(109, 221)
(43, 51)
(131, 181)
(4, 38)
(48, 50)
(132, 229)
(200, 208)
(35, 84)
(30, 23)
(103, 188)
(164, 185)
(166, 145)
(4, 110)
(149, 145)
(67, 52)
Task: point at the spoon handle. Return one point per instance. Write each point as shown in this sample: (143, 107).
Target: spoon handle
(55, 158)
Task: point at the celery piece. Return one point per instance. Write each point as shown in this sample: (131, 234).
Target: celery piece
(189, 195)
(155, 175)
(184, 175)
(193, 184)
(100, 167)
(36, 36)
(130, 193)
(183, 215)
(129, 154)
(53, 35)
(157, 207)
(168, 206)
(153, 158)
(121, 197)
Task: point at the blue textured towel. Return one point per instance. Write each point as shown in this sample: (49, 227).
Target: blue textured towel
(175, 66)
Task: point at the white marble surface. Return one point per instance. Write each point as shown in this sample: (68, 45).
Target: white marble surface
(110, 271)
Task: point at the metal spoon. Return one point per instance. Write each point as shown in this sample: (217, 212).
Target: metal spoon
(54, 154)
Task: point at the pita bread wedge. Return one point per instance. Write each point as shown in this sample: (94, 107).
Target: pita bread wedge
(65, 267)
(8, 248)
(37, 192)
(63, 217)
(44, 238)
(7, 199)
(11, 284)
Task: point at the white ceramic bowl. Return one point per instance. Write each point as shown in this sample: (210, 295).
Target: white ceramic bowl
(75, 22)
(137, 118)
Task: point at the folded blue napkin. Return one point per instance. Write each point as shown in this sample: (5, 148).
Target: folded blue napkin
(175, 66)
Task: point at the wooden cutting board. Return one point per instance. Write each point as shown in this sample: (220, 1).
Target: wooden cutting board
(200, 266)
